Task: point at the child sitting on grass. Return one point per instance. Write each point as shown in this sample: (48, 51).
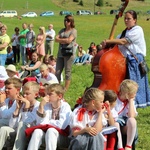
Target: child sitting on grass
(8, 99)
(8, 104)
(11, 71)
(87, 121)
(24, 116)
(53, 117)
(45, 74)
(111, 97)
(126, 109)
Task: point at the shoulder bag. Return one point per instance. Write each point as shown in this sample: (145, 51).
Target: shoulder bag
(143, 67)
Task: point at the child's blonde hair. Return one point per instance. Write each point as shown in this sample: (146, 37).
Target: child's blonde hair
(92, 94)
(34, 86)
(128, 86)
(43, 29)
(57, 88)
(15, 81)
(110, 96)
(43, 66)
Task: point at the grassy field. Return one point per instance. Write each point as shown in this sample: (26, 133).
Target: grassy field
(90, 28)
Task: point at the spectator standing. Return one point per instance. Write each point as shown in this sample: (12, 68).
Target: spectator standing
(66, 39)
(4, 42)
(40, 40)
(30, 37)
(132, 42)
(22, 42)
(49, 44)
(15, 45)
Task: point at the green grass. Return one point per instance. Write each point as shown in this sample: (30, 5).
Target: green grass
(90, 28)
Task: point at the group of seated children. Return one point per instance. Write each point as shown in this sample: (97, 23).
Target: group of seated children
(27, 123)
(86, 57)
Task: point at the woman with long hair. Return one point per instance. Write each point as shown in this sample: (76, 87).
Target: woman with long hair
(40, 41)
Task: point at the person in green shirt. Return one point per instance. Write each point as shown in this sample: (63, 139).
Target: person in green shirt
(22, 42)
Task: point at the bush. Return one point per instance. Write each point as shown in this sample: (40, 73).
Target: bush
(81, 3)
(75, 0)
(99, 3)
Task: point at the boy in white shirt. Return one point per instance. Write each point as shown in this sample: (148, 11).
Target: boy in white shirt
(8, 99)
(24, 116)
(53, 113)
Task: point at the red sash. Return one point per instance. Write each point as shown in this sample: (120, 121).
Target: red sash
(44, 127)
(125, 102)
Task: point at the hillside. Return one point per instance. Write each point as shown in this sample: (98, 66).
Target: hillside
(108, 5)
(57, 5)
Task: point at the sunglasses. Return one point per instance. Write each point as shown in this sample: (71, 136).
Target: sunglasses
(67, 20)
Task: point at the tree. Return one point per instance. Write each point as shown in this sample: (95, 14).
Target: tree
(75, 0)
(81, 3)
(99, 3)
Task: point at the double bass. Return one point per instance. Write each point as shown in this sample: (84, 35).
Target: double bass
(109, 64)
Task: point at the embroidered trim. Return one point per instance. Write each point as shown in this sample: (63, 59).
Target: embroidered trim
(40, 115)
(15, 116)
(25, 109)
(2, 104)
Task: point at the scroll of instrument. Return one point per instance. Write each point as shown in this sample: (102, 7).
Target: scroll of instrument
(109, 64)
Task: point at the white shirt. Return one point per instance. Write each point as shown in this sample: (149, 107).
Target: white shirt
(64, 116)
(28, 117)
(50, 77)
(74, 123)
(135, 37)
(51, 33)
(16, 41)
(6, 112)
(123, 109)
(114, 114)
